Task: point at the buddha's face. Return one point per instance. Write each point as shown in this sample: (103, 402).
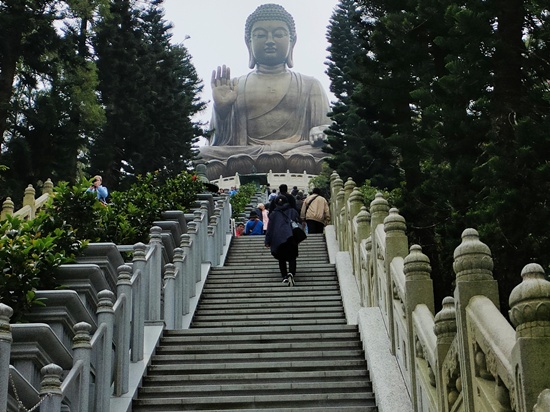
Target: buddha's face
(270, 42)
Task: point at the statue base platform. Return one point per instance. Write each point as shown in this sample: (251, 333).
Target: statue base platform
(267, 162)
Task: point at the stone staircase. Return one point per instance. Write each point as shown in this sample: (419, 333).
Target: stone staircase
(257, 344)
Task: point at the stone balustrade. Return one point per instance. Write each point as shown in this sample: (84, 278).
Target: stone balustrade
(467, 356)
(31, 205)
(75, 358)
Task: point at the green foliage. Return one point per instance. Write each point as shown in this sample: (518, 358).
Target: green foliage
(369, 194)
(30, 253)
(150, 89)
(129, 215)
(241, 199)
(322, 181)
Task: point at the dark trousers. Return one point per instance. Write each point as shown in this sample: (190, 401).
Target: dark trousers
(291, 267)
(314, 227)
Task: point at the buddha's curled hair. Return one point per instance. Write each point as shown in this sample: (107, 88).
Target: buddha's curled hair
(270, 12)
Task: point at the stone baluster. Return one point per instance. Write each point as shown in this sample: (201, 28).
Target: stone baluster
(155, 274)
(29, 200)
(50, 388)
(7, 208)
(418, 290)
(104, 366)
(127, 329)
(335, 186)
(182, 284)
(170, 296)
(190, 276)
(345, 229)
(530, 315)
(354, 204)
(473, 267)
(139, 294)
(362, 232)
(6, 340)
(82, 351)
(379, 209)
(372, 295)
(445, 331)
(339, 218)
(48, 187)
(192, 230)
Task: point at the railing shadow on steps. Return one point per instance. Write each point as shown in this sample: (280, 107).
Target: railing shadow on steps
(467, 357)
(112, 316)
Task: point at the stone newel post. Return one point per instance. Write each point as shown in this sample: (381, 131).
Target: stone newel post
(449, 381)
(418, 290)
(530, 314)
(473, 266)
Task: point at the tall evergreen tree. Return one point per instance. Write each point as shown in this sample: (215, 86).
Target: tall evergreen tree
(149, 89)
(52, 92)
(460, 90)
(354, 140)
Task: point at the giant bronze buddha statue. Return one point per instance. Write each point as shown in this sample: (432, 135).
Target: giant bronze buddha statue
(271, 118)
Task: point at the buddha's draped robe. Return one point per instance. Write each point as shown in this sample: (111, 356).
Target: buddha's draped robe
(287, 121)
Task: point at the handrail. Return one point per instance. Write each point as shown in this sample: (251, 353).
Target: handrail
(112, 352)
(466, 356)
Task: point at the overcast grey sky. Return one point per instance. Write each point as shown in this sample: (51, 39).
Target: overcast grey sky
(216, 35)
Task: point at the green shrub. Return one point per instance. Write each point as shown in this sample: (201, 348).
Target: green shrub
(30, 253)
(241, 199)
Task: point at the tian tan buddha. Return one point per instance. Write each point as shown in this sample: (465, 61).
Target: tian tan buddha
(271, 118)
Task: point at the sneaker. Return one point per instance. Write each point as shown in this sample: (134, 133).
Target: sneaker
(290, 278)
(285, 280)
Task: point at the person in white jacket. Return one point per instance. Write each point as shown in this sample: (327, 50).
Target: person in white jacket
(315, 212)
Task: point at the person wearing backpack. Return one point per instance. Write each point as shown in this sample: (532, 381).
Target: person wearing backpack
(315, 212)
(254, 226)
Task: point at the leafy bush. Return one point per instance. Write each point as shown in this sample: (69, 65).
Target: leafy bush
(241, 199)
(30, 253)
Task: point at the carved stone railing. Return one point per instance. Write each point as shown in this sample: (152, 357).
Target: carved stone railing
(96, 364)
(466, 357)
(31, 205)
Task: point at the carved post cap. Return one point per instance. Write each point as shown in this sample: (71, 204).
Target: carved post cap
(6, 312)
(472, 258)
(105, 301)
(48, 186)
(356, 196)
(30, 191)
(363, 216)
(340, 195)
(445, 319)
(82, 337)
(169, 271)
(530, 303)
(379, 204)
(155, 233)
(178, 254)
(394, 222)
(350, 184)
(416, 264)
(5, 329)
(124, 273)
(139, 252)
(51, 379)
(8, 206)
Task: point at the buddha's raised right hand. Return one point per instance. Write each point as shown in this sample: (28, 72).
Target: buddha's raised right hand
(224, 90)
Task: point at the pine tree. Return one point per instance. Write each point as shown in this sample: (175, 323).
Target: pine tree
(149, 88)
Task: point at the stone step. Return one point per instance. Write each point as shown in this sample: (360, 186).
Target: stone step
(257, 344)
(255, 402)
(191, 348)
(261, 377)
(269, 356)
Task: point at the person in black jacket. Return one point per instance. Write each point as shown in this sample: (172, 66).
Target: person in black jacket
(280, 240)
(283, 191)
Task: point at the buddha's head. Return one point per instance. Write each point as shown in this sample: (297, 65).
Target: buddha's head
(270, 36)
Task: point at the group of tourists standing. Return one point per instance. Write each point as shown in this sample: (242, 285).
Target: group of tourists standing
(275, 221)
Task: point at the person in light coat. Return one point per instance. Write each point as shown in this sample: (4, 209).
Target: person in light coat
(315, 212)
